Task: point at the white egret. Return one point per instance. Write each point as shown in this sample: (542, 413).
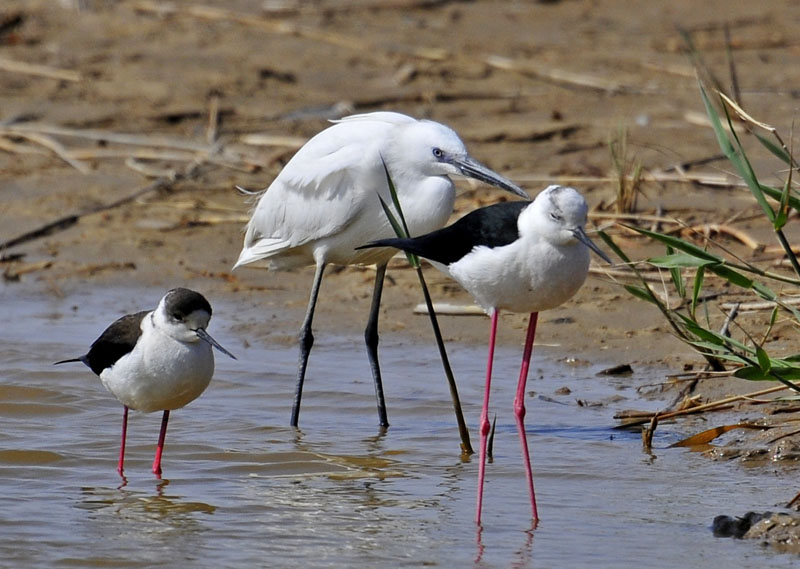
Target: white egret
(326, 202)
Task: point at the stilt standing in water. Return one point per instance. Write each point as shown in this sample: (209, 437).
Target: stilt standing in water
(156, 361)
(516, 256)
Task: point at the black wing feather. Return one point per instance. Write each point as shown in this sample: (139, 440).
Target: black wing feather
(116, 341)
(491, 226)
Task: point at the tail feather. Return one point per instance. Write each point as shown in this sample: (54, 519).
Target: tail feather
(81, 359)
(412, 245)
(395, 242)
(261, 249)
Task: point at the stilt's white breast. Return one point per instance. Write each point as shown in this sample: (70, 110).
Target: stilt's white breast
(160, 372)
(542, 269)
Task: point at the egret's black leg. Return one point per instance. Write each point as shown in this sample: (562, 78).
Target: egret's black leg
(306, 341)
(371, 338)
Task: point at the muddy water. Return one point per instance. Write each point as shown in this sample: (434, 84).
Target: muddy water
(242, 489)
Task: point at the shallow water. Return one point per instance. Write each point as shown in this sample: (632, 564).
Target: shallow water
(243, 489)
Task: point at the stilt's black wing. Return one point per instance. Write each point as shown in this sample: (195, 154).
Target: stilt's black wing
(116, 341)
(491, 226)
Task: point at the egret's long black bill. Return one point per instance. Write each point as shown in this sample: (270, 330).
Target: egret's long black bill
(581, 236)
(205, 336)
(478, 171)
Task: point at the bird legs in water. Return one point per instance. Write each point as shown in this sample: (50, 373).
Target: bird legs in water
(519, 412)
(483, 424)
(162, 435)
(306, 341)
(370, 337)
(519, 409)
(122, 443)
(159, 449)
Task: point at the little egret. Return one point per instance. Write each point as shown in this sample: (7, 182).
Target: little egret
(516, 256)
(327, 201)
(156, 361)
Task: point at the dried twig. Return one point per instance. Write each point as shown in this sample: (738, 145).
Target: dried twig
(701, 178)
(57, 148)
(272, 25)
(213, 119)
(706, 229)
(559, 76)
(625, 274)
(20, 129)
(238, 158)
(764, 305)
(67, 221)
(14, 273)
(645, 417)
(14, 66)
(16, 148)
(452, 309)
(282, 140)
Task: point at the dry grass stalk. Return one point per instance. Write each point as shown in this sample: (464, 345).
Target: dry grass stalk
(713, 179)
(57, 148)
(14, 66)
(706, 229)
(559, 76)
(621, 274)
(452, 309)
(160, 141)
(190, 171)
(235, 157)
(147, 170)
(763, 305)
(645, 417)
(281, 140)
(14, 273)
(213, 119)
(628, 173)
(16, 148)
(278, 26)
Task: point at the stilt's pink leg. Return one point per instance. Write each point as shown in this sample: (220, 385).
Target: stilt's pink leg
(519, 408)
(160, 448)
(484, 425)
(124, 436)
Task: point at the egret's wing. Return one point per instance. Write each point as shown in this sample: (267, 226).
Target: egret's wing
(323, 188)
(305, 203)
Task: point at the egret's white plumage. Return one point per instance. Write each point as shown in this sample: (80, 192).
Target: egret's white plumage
(518, 257)
(326, 202)
(156, 361)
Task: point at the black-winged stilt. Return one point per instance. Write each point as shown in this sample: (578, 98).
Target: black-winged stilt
(156, 361)
(516, 256)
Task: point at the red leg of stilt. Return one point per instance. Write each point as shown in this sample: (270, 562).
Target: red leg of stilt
(519, 408)
(484, 425)
(160, 448)
(124, 435)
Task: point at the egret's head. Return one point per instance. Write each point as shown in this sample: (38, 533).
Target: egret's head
(427, 148)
